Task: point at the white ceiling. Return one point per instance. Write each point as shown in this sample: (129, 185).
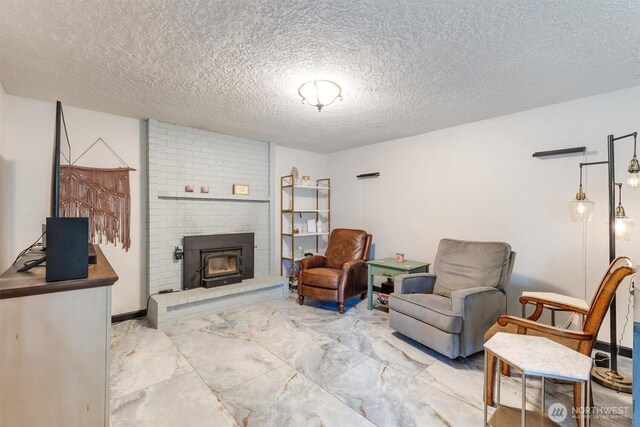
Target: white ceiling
(234, 66)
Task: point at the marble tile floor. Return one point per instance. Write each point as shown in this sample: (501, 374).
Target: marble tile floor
(281, 364)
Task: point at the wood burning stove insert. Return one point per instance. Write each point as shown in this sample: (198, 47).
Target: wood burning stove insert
(217, 259)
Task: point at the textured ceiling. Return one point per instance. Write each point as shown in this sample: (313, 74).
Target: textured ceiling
(234, 66)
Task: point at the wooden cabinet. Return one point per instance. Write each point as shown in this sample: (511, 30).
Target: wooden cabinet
(55, 348)
(300, 204)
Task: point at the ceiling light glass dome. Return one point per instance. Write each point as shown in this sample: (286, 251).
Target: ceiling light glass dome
(320, 93)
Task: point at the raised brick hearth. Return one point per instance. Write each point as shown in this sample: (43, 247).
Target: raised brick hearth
(168, 309)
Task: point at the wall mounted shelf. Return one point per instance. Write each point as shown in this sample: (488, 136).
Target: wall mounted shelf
(208, 196)
(307, 187)
(563, 151)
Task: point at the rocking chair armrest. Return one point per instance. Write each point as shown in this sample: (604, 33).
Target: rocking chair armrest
(524, 324)
(526, 299)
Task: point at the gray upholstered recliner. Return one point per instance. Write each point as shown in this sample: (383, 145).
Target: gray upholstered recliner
(451, 309)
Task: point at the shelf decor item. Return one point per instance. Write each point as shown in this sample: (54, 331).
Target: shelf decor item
(204, 189)
(188, 188)
(240, 189)
(306, 180)
(311, 226)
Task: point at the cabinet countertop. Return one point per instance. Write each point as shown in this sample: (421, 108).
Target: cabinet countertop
(32, 282)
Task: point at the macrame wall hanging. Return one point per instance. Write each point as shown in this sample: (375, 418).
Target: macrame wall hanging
(102, 195)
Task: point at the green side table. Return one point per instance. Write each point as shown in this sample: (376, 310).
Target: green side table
(389, 267)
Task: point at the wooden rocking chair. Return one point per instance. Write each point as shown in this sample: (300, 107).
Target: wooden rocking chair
(581, 341)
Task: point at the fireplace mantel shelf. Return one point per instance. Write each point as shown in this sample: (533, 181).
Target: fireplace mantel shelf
(207, 196)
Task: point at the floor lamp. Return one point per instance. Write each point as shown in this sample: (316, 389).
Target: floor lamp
(619, 226)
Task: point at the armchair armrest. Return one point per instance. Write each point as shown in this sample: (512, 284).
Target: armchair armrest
(350, 265)
(315, 261)
(550, 299)
(524, 324)
(481, 296)
(416, 283)
(479, 308)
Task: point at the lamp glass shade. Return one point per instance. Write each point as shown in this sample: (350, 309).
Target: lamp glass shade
(634, 180)
(319, 93)
(581, 210)
(623, 228)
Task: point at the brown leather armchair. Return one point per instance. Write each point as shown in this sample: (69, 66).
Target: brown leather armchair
(341, 273)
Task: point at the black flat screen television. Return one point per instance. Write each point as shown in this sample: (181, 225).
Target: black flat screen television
(55, 174)
(54, 210)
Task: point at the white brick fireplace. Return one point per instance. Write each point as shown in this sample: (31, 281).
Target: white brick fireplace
(180, 156)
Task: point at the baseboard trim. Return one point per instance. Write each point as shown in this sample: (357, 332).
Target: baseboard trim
(605, 346)
(128, 316)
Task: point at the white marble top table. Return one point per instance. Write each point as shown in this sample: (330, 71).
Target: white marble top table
(562, 299)
(540, 356)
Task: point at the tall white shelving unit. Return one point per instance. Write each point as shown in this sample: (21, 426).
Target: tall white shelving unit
(298, 204)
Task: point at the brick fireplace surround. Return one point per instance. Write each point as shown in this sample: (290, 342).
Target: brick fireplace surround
(179, 156)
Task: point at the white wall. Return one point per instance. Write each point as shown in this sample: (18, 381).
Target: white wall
(479, 181)
(3, 182)
(29, 127)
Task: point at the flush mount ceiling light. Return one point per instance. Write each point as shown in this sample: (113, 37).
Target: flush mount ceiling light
(320, 93)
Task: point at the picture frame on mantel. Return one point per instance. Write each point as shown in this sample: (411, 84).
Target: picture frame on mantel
(240, 189)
